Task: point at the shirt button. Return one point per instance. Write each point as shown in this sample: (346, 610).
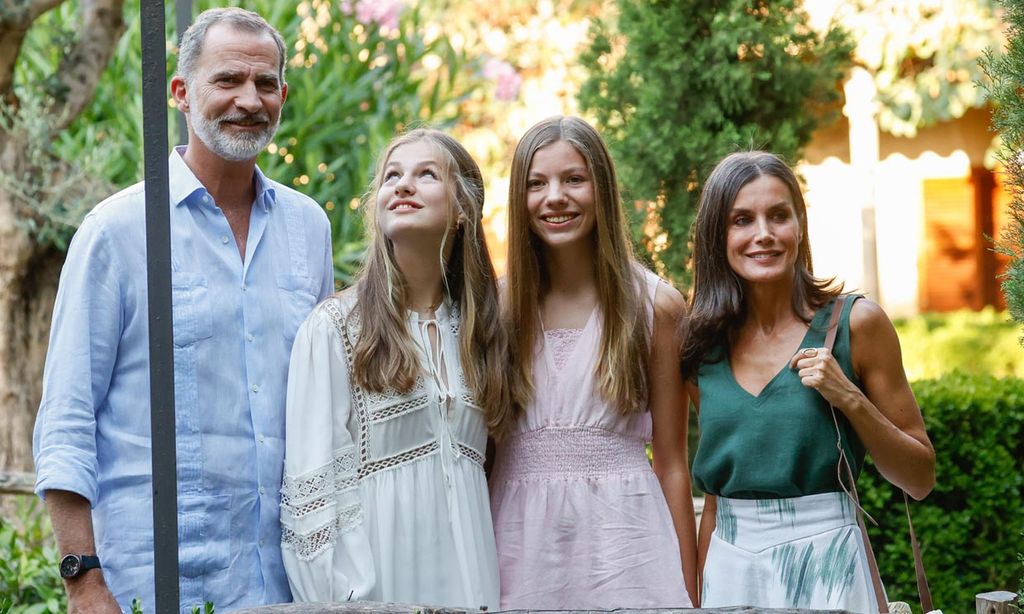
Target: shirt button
(255, 388)
(244, 287)
(263, 491)
(249, 337)
(224, 239)
(261, 543)
(263, 439)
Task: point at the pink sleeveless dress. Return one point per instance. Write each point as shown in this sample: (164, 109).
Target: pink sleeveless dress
(580, 520)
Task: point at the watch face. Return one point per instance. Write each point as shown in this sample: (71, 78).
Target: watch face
(70, 565)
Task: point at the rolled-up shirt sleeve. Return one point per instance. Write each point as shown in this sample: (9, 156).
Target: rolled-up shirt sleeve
(84, 337)
(325, 547)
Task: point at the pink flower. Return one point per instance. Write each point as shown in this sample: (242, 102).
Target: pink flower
(507, 80)
(384, 13)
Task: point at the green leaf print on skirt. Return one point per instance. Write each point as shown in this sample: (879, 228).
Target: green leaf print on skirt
(725, 521)
(801, 570)
(784, 509)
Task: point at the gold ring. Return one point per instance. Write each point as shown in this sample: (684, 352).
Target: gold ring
(810, 352)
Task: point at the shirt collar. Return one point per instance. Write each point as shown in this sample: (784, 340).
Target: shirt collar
(184, 186)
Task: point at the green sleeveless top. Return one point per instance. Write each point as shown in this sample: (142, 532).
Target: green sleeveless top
(781, 443)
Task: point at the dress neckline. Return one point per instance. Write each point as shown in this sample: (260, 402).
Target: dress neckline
(761, 394)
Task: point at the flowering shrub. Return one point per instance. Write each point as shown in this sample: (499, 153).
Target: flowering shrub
(384, 13)
(507, 80)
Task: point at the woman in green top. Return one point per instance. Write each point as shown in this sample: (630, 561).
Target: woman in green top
(777, 528)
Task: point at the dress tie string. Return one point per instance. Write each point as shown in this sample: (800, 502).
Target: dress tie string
(439, 377)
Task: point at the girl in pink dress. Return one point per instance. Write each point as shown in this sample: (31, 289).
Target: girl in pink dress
(581, 520)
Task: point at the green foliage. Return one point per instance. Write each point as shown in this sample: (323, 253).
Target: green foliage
(29, 580)
(924, 59)
(1005, 73)
(970, 341)
(52, 196)
(970, 526)
(680, 84)
(100, 151)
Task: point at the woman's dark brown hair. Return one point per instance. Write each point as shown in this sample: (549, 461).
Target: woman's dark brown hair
(718, 306)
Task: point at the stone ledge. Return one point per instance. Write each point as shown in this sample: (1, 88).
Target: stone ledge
(374, 607)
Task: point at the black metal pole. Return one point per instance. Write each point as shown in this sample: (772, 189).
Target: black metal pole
(182, 20)
(161, 352)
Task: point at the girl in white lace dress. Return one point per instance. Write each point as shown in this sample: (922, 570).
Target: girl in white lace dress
(580, 518)
(384, 494)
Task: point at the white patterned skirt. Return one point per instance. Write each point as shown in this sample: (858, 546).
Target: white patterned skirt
(801, 552)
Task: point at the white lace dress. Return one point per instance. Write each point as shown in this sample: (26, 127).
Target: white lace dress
(384, 494)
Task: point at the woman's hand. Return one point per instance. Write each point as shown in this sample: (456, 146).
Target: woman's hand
(818, 369)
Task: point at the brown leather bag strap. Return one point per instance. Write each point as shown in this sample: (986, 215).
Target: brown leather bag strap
(876, 580)
(833, 322)
(922, 580)
(924, 592)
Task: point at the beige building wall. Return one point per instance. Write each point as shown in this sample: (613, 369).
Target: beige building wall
(837, 193)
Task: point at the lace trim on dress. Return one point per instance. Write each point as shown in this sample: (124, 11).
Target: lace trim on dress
(471, 454)
(399, 409)
(314, 491)
(345, 326)
(398, 459)
(562, 342)
(309, 546)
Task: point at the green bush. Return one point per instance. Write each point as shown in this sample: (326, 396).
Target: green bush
(29, 581)
(970, 526)
(979, 342)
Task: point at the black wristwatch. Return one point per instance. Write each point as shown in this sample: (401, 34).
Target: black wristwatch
(74, 565)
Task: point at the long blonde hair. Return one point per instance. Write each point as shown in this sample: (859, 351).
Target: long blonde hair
(385, 355)
(623, 355)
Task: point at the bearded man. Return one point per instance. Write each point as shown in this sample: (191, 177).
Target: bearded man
(250, 258)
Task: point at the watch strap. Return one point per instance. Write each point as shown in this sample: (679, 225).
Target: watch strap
(89, 562)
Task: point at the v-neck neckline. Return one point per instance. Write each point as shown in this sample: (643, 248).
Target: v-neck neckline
(760, 396)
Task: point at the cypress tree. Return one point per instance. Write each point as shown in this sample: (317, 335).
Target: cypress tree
(675, 85)
(1006, 73)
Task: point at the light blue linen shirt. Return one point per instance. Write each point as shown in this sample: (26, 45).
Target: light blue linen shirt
(234, 323)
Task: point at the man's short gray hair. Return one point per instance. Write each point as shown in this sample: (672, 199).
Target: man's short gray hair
(191, 46)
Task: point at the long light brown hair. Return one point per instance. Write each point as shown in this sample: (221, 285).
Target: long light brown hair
(719, 305)
(623, 355)
(385, 354)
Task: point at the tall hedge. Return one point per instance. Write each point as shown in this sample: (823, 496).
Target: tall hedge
(970, 527)
(675, 85)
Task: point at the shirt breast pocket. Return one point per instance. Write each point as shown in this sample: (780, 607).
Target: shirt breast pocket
(297, 300)
(193, 317)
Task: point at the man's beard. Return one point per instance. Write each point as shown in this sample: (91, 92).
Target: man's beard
(234, 147)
